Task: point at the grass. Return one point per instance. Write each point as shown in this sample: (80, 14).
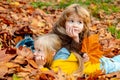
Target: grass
(105, 5)
(95, 6)
(115, 33)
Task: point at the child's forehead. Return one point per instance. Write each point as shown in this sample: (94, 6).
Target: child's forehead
(74, 16)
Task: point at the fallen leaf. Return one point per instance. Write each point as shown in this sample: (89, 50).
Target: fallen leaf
(11, 65)
(5, 57)
(15, 77)
(32, 63)
(3, 70)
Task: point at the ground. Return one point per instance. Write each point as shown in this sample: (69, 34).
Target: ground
(18, 18)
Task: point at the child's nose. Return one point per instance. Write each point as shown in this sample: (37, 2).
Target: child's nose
(75, 24)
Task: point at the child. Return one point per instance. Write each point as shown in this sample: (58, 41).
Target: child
(48, 52)
(73, 16)
(73, 30)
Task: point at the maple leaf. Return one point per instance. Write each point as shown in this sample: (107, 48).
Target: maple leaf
(92, 46)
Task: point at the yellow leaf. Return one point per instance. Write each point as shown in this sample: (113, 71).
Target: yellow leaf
(41, 24)
(0, 45)
(15, 77)
(15, 3)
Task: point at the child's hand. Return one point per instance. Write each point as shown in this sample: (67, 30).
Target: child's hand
(85, 57)
(40, 59)
(73, 33)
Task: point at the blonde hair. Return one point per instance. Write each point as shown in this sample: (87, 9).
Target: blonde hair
(50, 43)
(79, 71)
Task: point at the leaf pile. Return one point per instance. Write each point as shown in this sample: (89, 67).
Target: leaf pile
(18, 18)
(110, 44)
(19, 63)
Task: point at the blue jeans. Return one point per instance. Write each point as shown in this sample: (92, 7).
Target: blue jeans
(27, 41)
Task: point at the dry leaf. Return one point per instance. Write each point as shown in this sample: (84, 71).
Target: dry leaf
(3, 70)
(32, 63)
(11, 65)
(92, 47)
(19, 60)
(22, 74)
(5, 57)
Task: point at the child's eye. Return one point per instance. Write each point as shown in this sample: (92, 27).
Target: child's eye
(80, 22)
(39, 50)
(71, 21)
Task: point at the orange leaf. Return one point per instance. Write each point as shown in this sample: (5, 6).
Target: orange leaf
(92, 47)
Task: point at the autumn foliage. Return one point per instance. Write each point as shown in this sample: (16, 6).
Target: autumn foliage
(18, 18)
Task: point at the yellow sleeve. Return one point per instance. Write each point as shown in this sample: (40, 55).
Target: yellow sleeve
(68, 66)
(91, 68)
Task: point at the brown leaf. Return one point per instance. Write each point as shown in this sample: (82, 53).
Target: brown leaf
(3, 70)
(10, 50)
(17, 39)
(32, 63)
(27, 68)
(5, 57)
(25, 52)
(23, 74)
(24, 30)
(48, 75)
(19, 60)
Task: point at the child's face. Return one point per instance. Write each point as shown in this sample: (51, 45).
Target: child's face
(40, 56)
(74, 24)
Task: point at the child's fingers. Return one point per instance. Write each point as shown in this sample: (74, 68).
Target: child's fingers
(75, 33)
(71, 32)
(40, 61)
(68, 31)
(40, 57)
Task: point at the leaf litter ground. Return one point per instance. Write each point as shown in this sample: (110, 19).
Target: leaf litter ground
(18, 18)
